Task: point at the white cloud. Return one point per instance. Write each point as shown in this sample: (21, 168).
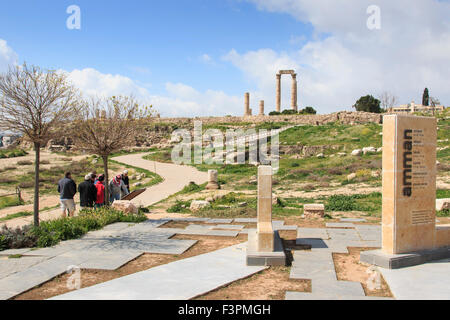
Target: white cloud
(345, 59)
(206, 58)
(7, 56)
(178, 100)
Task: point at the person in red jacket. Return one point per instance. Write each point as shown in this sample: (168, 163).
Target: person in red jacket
(100, 202)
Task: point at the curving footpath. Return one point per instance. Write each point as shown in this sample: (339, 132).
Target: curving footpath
(175, 178)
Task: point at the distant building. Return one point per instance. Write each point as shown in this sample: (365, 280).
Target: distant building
(412, 107)
(6, 141)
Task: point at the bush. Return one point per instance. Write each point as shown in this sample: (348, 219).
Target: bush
(308, 110)
(179, 207)
(340, 203)
(191, 187)
(288, 112)
(274, 113)
(16, 238)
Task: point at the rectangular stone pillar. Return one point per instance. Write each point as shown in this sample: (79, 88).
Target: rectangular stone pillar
(409, 183)
(265, 231)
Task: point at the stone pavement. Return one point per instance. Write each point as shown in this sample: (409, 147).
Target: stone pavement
(429, 281)
(106, 249)
(318, 264)
(178, 280)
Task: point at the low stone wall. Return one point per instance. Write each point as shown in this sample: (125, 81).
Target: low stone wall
(344, 117)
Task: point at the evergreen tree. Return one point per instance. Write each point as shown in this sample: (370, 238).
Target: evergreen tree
(426, 98)
(368, 104)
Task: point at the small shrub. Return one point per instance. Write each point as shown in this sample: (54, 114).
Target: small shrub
(45, 162)
(6, 180)
(340, 203)
(179, 207)
(191, 187)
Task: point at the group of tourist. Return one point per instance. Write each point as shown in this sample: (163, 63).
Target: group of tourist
(92, 191)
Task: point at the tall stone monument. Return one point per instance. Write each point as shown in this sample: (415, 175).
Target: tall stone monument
(294, 95)
(409, 233)
(261, 108)
(247, 110)
(264, 245)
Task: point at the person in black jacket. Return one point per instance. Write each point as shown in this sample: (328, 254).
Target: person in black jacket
(67, 189)
(88, 192)
(126, 180)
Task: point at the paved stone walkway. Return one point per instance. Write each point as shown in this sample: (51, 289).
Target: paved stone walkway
(179, 280)
(318, 264)
(106, 249)
(429, 281)
(175, 177)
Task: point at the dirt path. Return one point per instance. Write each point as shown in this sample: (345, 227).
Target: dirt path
(175, 177)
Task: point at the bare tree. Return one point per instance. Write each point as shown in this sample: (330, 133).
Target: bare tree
(33, 102)
(388, 100)
(433, 103)
(108, 125)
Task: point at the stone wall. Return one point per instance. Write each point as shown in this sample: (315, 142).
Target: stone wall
(344, 117)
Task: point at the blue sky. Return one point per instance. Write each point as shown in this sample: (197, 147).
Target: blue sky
(199, 57)
(150, 41)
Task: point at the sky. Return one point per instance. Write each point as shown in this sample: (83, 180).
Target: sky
(199, 57)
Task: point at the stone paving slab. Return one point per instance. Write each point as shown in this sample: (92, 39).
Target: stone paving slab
(39, 273)
(222, 221)
(340, 288)
(292, 295)
(13, 252)
(117, 226)
(343, 234)
(339, 225)
(229, 227)
(11, 266)
(179, 280)
(352, 220)
(212, 233)
(193, 219)
(246, 220)
(48, 252)
(319, 233)
(429, 281)
(111, 261)
(369, 232)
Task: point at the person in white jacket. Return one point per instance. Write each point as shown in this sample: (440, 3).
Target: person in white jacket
(116, 188)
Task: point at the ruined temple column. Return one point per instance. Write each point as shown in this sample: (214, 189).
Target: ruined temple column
(278, 98)
(294, 92)
(247, 104)
(261, 108)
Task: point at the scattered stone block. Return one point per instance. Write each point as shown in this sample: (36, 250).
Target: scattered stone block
(316, 210)
(125, 206)
(442, 204)
(197, 205)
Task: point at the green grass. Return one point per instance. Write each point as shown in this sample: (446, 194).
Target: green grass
(442, 194)
(12, 153)
(16, 215)
(11, 201)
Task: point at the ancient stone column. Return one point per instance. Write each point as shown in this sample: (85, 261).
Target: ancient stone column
(265, 231)
(294, 92)
(278, 97)
(213, 180)
(247, 104)
(261, 108)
